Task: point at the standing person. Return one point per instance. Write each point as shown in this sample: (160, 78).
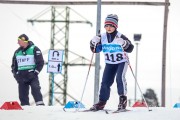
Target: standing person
(27, 63)
(114, 46)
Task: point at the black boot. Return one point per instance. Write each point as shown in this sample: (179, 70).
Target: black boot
(122, 102)
(98, 106)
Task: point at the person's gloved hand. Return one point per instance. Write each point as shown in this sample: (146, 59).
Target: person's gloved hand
(95, 40)
(121, 42)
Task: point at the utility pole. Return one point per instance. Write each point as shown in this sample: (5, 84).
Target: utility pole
(97, 59)
(137, 38)
(163, 94)
(60, 21)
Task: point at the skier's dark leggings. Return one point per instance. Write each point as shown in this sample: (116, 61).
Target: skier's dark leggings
(110, 71)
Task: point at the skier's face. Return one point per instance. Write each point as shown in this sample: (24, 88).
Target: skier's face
(109, 28)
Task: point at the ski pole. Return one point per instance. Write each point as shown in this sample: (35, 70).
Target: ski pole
(135, 79)
(134, 76)
(87, 76)
(94, 50)
(88, 72)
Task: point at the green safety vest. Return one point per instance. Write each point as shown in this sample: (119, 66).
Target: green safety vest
(26, 62)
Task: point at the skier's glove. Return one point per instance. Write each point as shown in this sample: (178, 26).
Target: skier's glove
(121, 42)
(95, 40)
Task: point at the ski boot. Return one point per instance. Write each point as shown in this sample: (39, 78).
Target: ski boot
(122, 103)
(98, 106)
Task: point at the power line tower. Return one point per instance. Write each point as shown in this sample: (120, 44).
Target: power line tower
(60, 21)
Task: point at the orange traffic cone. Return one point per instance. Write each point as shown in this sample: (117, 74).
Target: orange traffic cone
(11, 106)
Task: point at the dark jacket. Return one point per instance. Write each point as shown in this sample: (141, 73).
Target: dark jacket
(39, 61)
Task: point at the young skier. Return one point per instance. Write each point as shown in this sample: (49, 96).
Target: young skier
(115, 47)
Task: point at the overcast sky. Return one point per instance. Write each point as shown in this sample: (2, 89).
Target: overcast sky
(147, 20)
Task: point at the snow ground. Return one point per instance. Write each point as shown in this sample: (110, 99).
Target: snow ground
(57, 113)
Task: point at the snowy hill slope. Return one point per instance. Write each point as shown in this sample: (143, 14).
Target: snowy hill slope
(57, 113)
